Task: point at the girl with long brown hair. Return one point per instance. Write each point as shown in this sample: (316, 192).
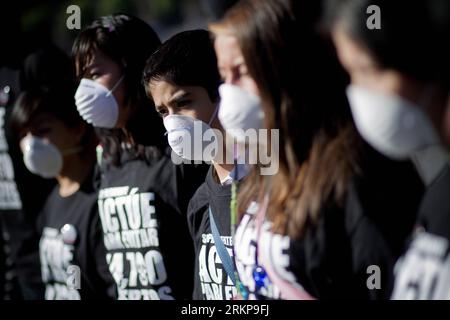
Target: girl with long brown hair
(304, 232)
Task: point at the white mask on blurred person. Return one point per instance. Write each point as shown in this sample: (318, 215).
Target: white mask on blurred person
(392, 125)
(239, 111)
(192, 139)
(397, 128)
(96, 104)
(43, 158)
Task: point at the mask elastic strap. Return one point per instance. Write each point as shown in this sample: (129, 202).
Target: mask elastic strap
(116, 85)
(213, 116)
(175, 130)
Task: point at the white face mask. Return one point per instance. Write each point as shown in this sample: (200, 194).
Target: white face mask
(239, 111)
(192, 139)
(96, 104)
(42, 157)
(392, 125)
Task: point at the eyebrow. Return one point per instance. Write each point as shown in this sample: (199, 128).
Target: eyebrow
(174, 98)
(178, 96)
(235, 63)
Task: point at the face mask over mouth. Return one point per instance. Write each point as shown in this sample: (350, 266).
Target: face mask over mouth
(192, 139)
(43, 158)
(398, 129)
(96, 104)
(239, 111)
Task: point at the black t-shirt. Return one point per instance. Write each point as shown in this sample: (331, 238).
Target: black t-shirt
(142, 207)
(211, 280)
(424, 271)
(348, 244)
(72, 253)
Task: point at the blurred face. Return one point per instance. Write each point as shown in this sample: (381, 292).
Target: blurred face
(191, 101)
(107, 72)
(364, 71)
(231, 63)
(53, 130)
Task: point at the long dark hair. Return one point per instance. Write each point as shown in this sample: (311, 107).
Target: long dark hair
(128, 41)
(302, 87)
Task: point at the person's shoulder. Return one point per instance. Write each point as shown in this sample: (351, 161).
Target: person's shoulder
(434, 212)
(52, 199)
(196, 210)
(385, 192)
(49, 205)
(439, 191)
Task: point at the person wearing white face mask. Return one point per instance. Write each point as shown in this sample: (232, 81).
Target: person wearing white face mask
(304, 223)
(96, 104)
(186, 134)
(42, 158)
(143, 195)
(182, 79)
(239, 110)
(399, 97)
(56, 143)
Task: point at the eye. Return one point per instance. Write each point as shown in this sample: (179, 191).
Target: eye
(183, 103)
(94, 73)
(94, 76)
(162, 112)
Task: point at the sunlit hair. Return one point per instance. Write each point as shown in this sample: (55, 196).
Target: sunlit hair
(302, 87)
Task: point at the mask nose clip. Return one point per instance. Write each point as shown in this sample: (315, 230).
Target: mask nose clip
(216, 110)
